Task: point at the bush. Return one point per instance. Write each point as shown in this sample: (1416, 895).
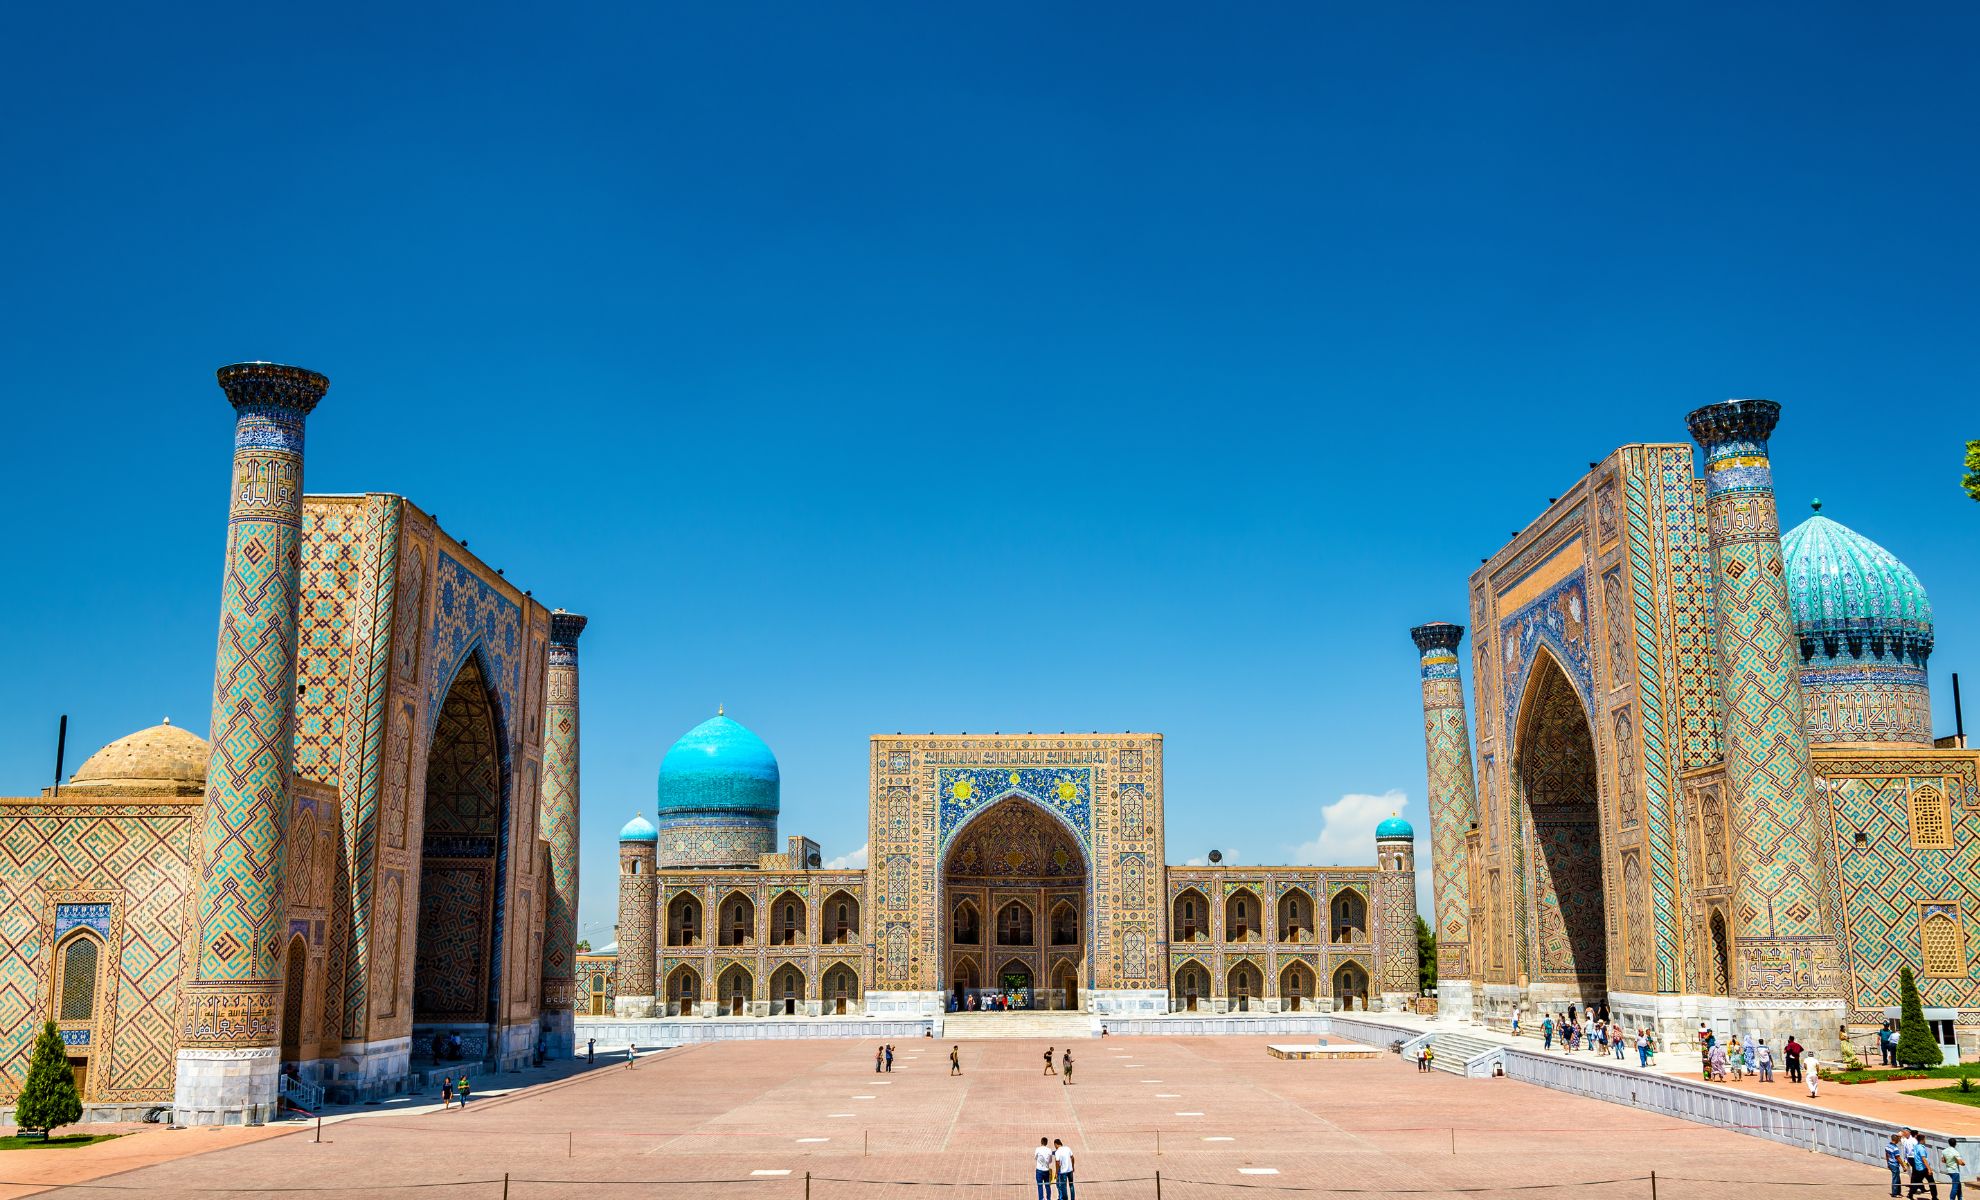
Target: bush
(1916, 1046)
(48, 1098)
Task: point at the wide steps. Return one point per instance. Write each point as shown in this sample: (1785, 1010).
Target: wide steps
(1455, 1049)
(1065, 1026)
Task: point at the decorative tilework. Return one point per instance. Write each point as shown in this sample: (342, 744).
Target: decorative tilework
(1065, 792)
(1452, 793)
(81, 916)
(560, 804)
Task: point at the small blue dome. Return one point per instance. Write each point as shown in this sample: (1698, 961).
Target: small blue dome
(719, 766)
(1395, 827)
(639, 829)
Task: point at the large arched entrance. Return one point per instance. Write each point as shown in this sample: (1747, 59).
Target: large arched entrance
(1554, 766)
(1014, 878)
(455, 983)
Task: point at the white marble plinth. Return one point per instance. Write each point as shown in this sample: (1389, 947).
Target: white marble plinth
(227, 1087)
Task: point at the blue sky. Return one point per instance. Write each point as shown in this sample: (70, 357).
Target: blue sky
(876, 368)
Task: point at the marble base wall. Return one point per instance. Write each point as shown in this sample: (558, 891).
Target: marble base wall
(632, 1007)
(1127, 1001)
(557, 1034)
(906, 1004)
(657, 1033)
(227, 1087)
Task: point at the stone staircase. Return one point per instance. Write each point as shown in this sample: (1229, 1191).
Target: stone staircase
(1025, 1023)
(1455, 1049)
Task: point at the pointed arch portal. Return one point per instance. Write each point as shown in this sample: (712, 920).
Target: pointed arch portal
(1014, 884)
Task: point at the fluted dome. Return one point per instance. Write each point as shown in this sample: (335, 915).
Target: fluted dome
(1851, 597)
(161, 759)
(719, 767)
(639, 829)
(1395, 827)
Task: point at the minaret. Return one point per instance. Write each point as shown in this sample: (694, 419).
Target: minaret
(1395, 907)
(560, 826)
(639, 915)
(230, 1008)
(1453, 797)
(1786, 971)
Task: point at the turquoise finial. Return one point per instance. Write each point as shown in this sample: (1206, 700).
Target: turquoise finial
(1815, 504)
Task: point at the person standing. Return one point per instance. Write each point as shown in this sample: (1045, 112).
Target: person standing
(1041, 1162)
(1515, 1026)
(1894, 1159)
(1066, 1062)
(447, 1097)
(1048, 1062)
(1616, 1038)
(1791, 1059)
(461, 1089)
(632, 1052)
(1811, 1073)
(890, 1058)
(1763, 1060)
(955, 1060)
(1953, 1159)
(1062, 1165)
(1643, 1048)
(1547, 1032)
(879, 1057)
(590, 1052)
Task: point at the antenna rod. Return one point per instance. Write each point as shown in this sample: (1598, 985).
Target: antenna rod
(62, 733)
(1959, 719)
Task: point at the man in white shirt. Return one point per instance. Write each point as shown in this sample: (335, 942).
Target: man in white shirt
(1041, 1164)
(1062, 1159)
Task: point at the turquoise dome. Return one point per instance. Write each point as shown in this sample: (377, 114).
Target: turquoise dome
(639, 829)
(719, 767)
(1395, 827)
(1851, 597)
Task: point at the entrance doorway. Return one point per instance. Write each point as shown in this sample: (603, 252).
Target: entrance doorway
(1554, 766)
(1014, 910)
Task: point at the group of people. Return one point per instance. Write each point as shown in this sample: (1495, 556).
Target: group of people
(1052, 1163)
(452, 1090)
(883, 1057)
(1909, 1155)
(1597, 1032)
(994, 1002)
(1066, 1061)
(1733, 1060)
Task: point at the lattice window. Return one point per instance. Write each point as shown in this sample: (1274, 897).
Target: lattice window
(78, 993)
(1941, 943)
(1931, 828)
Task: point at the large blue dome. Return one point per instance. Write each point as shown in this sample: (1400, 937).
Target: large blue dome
(717, 767)
(1851, 597)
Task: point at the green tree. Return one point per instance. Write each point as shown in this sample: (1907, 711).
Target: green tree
(584, 946)
(1426, 958)
(1916, 1046)
(1972, 480)
(48, 1098)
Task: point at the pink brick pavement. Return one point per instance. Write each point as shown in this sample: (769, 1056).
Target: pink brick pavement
(722, 1111)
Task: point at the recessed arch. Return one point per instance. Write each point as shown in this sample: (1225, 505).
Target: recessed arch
(683, 989)
(79, 960)
(1296, 987)
(1347, 916)
(787, 989)
(1015, 925)
(841, 988)
(737, 920)
(1064, 923)
(1244, 984)
(839, 918)
(684, 920)
(1554, 771)
(1244, 916)
(1023, 872)
(1296, 916)
(295, 978)
(1189, 919)
(735, 989)
(966, 922)
(790, 917)
(1350, 985)
(1192, 984)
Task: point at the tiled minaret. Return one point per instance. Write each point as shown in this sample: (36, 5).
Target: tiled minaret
(1786, 972)
(1395, 903)
(231, 1003)
(639, 916)
(560, 826)
(1453, 802)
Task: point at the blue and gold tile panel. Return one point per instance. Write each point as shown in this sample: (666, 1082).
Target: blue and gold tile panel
(1066, 792)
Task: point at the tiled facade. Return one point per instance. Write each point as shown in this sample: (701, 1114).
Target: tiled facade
(1660, 820)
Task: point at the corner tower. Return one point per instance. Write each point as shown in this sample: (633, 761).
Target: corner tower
(560, 825)
(1395, 900)
(639, 916)
(230, 1006)
(1453, 798)
(1787, 973)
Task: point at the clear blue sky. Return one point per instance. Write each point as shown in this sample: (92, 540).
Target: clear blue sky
(875, 368)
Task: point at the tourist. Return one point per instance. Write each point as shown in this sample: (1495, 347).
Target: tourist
(1887, 1045)
(447, 1097)
(1643, 1048)
(1811, 1073)
(1066, 1062)
(1791, 1059)
(1515, 1026)
(1736, 1059)
(1048, 1061)
(890, 1057)
(1719, 1062)
(1041, 1162)
(955, 1060)
(879, 1058)
(1920, 1160)
(1763, 1060)
(461, 1090)
(632, 1052)
(1572, 1018)
(1954, 1162)
(590, 1051)
(1894, 1159)
(1422, 1059)
(1546, 1032)
(1616, 1038)
(1103, 1031)
(1062, 1166)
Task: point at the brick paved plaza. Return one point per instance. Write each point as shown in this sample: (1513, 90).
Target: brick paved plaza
(1226, 1114)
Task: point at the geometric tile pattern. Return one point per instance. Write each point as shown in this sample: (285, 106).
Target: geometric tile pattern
(560, 808)
(1452, 797)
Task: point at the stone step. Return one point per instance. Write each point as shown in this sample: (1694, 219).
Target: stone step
(1453, 1050)
(1025, 1024)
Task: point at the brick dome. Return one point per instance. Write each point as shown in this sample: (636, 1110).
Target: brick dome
(161, 759)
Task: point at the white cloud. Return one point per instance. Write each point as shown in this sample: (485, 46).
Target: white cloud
(848, 861)
(1230, 857)
(1347, 829)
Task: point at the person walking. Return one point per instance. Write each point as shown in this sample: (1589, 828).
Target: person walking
(632, 1052)
(1041, 1162)
(1811, 1073)
(1887, 1045)
(1720, 1061)
(1894, 1159)
(1547, 1032)
(1953, 1160)
(955, 1060)
(1791, 1059)
(1763, 1060)
(1515, 1026)
(1048, 1062)
(1643, 1048)
(1616, 1038)
(447, 1097)
(1736, 1059)
(1062, 1166)
(1065, 1061)
(590, 1052)
(461, 1089)
(1921, 1168)
(890, 1058)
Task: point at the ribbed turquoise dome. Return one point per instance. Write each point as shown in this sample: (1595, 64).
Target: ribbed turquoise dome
(1395, 827)
(719, 766)
(639, 829)
(1851, 596)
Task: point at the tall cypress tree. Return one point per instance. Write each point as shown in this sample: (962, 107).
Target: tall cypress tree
(48, 1098)
(1916, 1046)
(1426, 957)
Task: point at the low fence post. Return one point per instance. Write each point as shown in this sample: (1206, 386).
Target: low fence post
(1158, 1183)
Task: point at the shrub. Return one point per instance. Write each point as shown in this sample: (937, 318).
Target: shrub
(48, 1098)
(1916, 1046)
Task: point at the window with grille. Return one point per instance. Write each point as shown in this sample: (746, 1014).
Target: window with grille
(1930, 827)
(78, 996)
(1941, 948)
